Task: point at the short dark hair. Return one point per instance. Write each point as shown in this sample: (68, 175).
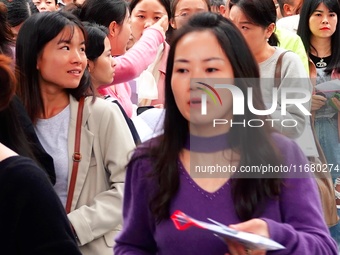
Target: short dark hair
(34, 34)
(103, 12)
(260, 12)
(96, 35)
(308, 7)
(19, 11)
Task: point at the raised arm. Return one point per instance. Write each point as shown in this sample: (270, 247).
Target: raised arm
(142, 54)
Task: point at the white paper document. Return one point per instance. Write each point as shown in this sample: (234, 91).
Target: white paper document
(248, 240)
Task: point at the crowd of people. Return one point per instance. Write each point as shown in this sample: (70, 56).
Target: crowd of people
(116, 114)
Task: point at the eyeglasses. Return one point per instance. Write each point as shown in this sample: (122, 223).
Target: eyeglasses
(183, 15)
(186, 15)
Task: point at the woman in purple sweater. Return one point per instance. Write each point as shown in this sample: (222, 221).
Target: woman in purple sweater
(176, 170)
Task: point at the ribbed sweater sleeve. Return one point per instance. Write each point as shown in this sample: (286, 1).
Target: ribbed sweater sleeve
(139, 57)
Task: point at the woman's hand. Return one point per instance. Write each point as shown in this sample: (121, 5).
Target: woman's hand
(336, 102)
(162, 24)
(255, 226)
(317, 102)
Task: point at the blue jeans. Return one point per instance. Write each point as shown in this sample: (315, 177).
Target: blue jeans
(327, 131)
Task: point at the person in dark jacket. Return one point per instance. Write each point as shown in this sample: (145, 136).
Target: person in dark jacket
(32, 219)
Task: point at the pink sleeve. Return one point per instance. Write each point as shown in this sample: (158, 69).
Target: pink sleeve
(139, 57)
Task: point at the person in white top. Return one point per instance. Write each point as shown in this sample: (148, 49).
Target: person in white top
(290, 10)
(258, 29)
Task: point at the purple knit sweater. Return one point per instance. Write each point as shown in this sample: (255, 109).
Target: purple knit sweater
(295, 219)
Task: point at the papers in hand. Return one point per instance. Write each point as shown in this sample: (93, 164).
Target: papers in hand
(248, 240)
(329, 90)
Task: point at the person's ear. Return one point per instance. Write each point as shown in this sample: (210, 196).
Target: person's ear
(222, 10)
(287, 10)
(173, 23)
(113, 29)
(90, 65)
(270, 30)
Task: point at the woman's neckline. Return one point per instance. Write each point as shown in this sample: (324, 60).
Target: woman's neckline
(320, 62)
(209, 144)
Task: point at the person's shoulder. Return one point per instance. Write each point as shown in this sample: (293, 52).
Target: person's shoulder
(290, 23)
(290, 59)
(143, 150)
(141, 163)
(97, 103)
(100, 106)
(143, 155)
(282, 140)
(22, 170)
(280, 50)
(286, 37)
(14, 160)
(288, 56)
(288, 149)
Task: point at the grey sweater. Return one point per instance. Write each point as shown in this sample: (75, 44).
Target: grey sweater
(293, 75)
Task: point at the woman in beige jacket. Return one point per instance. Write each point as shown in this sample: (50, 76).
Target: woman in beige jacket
(52, 63)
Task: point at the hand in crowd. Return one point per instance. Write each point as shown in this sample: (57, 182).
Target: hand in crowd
(255, 226)
(317, 102)
(336, 102)
(162, 24)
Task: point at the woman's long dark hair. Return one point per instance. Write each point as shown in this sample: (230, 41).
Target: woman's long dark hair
(308, 7)
(34, 34)
(254, 145)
